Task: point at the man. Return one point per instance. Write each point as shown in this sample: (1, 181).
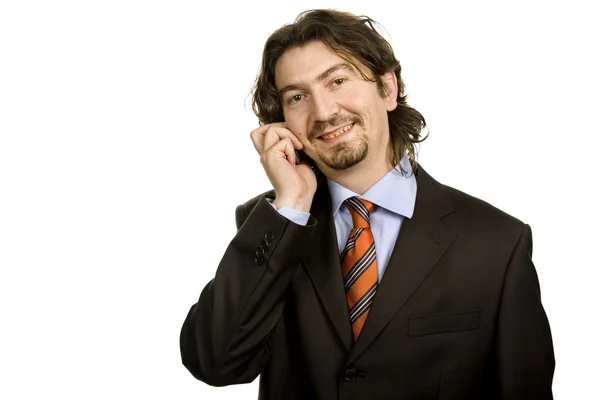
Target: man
(359, 276)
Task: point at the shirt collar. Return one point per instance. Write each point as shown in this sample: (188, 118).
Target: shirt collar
(396, 191)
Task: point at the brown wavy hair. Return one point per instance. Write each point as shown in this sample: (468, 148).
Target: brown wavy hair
(353, 38)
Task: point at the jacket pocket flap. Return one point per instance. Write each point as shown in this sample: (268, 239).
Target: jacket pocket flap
(420, 325)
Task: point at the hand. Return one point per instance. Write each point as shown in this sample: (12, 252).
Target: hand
(294, 185)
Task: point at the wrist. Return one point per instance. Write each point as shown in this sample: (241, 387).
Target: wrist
(301, 205)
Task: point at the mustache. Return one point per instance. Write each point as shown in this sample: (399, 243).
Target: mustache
(335, 120)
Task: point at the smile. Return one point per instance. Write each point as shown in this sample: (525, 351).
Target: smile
(338, 132)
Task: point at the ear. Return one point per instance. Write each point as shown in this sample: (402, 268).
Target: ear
(390, 86)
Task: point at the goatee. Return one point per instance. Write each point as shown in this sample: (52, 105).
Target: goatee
(345, 155)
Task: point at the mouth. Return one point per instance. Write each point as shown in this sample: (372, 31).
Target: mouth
(330, 137)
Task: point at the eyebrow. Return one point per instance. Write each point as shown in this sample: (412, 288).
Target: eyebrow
(321, 77)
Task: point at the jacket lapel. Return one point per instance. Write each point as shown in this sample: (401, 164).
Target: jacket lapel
(322, 263)
(422, 241)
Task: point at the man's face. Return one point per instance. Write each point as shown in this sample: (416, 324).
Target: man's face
(340, 118)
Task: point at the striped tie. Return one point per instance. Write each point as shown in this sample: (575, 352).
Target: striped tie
(359, 266)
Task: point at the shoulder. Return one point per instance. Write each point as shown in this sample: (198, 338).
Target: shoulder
(485, 233)
(473, 207)
(467, 214)
(483, 224)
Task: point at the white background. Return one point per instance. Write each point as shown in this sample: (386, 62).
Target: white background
(125, 148)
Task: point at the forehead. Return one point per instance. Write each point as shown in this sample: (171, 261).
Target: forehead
(304, 64)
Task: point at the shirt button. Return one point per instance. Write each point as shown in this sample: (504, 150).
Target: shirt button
(350, 375)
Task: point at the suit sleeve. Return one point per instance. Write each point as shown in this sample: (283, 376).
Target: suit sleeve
(524, 343)
(224, 339)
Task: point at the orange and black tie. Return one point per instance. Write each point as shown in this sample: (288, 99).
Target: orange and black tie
(359, 264)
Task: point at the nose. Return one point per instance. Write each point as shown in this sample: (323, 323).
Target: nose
(324, 105)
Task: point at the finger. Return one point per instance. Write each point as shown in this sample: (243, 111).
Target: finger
(278, 133)
(290, 153)
(295, 141)
(258, 135)
(282, 148)
(263, 128)
(270, 138)
(257, 141)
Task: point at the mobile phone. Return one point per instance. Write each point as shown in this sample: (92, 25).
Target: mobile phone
(301, 156)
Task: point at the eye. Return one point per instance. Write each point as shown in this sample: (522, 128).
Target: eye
(338, 81)
(295, 98)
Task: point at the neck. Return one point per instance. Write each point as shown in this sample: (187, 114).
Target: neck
(362, 176)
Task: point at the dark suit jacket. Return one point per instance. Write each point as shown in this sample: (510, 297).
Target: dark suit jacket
(457, 314)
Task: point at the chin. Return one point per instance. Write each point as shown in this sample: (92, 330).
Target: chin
(344, 160)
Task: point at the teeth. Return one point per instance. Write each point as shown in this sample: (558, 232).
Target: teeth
(338, 133)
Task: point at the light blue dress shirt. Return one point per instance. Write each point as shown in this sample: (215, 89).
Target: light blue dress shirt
(394, 196)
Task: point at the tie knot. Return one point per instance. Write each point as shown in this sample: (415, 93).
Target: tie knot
(361, 210)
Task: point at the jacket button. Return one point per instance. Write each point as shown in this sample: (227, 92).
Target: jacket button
(264, 244)
(259, 260)
(350, 375)
(269, 236)
(260, 252)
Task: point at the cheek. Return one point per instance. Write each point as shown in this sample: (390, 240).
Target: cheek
(355, 98)
(297, 124)
(297, 129)
(356, 103)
